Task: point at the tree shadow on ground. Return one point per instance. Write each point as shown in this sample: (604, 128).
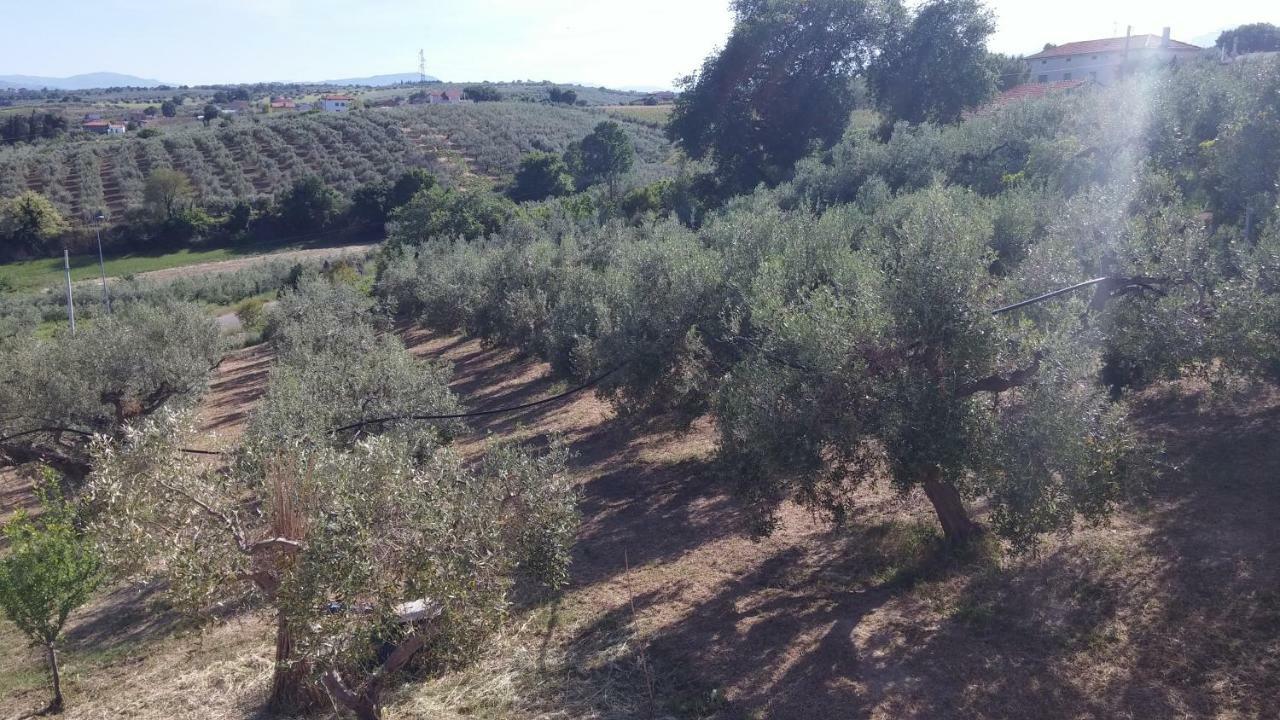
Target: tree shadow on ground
(126, 615)
(1172, 610)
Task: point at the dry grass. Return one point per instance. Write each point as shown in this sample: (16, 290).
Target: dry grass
(1172, 609)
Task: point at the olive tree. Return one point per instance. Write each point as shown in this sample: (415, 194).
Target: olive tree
(888, 362)
(334, 368)
(56, 392)
(367, 552)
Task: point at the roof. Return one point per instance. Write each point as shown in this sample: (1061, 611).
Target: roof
(1034, 90)
(338, 98)
(1136, 42)
(95, 123)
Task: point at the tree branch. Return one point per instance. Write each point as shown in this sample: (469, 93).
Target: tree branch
(278, 543)
(231, 526)
(1000, 383)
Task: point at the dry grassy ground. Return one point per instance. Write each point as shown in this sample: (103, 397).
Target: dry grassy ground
(1170, 610)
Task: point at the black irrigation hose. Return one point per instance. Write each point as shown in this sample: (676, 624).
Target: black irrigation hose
(1047, 296)
(497, 411)
(84, 433)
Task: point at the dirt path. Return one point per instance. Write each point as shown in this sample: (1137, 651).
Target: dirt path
(224, 266)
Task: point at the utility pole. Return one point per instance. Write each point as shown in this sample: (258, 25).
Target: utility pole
(422, 66)
(102, 265)
(71, 303)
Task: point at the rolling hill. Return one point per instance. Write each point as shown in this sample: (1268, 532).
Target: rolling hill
(380, 80)
(87, 81)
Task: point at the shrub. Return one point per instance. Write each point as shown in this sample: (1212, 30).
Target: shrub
(251, 314)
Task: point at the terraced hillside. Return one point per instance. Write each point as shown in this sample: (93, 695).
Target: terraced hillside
(261, 156)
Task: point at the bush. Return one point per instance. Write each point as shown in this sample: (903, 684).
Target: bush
(252, 316)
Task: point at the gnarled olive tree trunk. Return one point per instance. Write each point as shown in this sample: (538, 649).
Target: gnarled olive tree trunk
(292, 689)
(958, 528)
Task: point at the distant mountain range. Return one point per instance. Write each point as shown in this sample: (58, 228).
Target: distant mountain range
(75, 82)
(380, 80)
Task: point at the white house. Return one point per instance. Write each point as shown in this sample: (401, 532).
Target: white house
(1104, 61)
(336, 103)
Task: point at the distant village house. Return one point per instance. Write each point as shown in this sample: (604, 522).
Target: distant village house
(102, 127)
(336, 103)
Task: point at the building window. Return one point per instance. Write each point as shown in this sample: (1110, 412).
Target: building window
(1044, 78)
(1068, 59)
(1093, 75)
(1044, 62)
(1066, 76)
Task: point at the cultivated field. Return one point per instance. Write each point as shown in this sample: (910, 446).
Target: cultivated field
(262, 156)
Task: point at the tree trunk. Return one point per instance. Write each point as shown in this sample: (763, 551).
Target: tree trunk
(363, 703)
(56, 705)
(956, 525)
(291, 691)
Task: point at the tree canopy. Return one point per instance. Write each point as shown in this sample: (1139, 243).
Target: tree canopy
(167, 193)
(936, 66)
(604, 156)
(309, 205)
(1254, 37)
(28, 223)
(781, 84)
(541, 175)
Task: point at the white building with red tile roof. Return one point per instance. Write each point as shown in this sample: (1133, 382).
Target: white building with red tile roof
(1104, 61)
(336, 103)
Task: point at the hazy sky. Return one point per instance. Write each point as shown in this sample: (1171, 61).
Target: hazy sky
(598, 42)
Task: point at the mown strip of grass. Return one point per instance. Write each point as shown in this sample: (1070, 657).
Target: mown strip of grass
(48, 272)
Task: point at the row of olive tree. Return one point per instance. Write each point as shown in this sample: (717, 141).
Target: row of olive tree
(828, 362)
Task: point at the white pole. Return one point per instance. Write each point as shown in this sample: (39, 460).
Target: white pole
(71, 303)
(102, 265)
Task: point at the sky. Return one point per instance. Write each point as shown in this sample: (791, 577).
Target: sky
(618, 43)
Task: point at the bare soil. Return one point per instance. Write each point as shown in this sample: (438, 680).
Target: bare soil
(1170, 609)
